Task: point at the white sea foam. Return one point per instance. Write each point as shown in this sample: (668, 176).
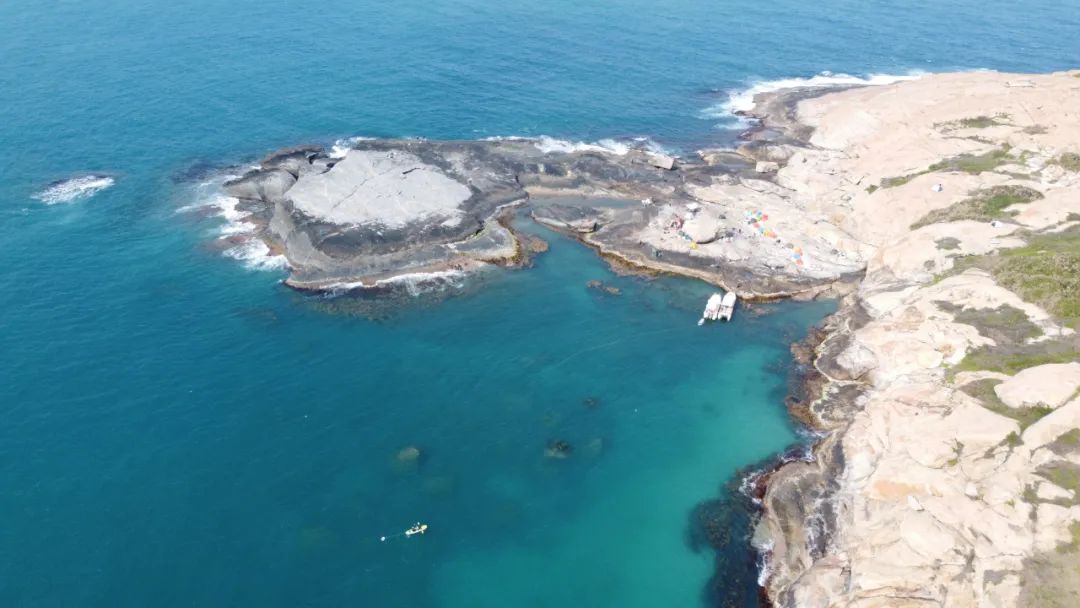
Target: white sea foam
(764, 566)
(414, 283)
(742, 100)
(341, 147)
(70, 190)
(549, 144)
(236, 226)
(620, 147)
(256, 255)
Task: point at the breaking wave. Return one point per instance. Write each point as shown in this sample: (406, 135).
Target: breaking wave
(742, 100)
(620, 147)
(73, 189)
(413, 283)
(342, 146)
(236, 229)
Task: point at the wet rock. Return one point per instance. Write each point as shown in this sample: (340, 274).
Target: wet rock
(558, 449)
(536, 245)
(269, 186)
(296, 161)
(573, 218)
(601, 286)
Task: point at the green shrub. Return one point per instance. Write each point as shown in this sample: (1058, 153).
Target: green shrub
(982, 205)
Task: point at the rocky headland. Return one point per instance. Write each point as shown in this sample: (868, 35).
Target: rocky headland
(946, 387)
(945, 211)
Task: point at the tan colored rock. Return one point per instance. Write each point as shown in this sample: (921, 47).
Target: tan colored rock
(931, 502)
(1053, 425)
(1048, 385)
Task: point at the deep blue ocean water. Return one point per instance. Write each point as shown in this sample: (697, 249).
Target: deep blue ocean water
(177, 429)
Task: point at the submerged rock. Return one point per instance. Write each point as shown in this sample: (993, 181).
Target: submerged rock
(558, 449)
(440, 485)
(595, 447)
(407, 459)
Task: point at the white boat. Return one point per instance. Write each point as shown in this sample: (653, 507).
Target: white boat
(719, 307)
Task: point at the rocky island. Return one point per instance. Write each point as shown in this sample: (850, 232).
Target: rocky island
(946, 390)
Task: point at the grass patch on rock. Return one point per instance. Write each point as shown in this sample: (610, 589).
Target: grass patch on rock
(1070, 161)
(983, 390)
(1010, 360)
(1046, 272)
(1066, 444)
(981, 206)
(1003, 325)
(975, 163)
(1064, 475)
(966, 163)
(974, 122)
(947, 243)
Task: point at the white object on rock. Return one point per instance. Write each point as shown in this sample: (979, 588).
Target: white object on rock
(914, 503)
(971, 490)
(767, 166)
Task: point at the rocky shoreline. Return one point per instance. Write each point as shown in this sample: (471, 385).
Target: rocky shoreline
(945, 211)
(405, 207)
(946, 386)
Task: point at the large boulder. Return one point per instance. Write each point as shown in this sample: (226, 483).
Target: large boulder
(1049, 385)
(702, 228)
(295, 161)
(269, 186)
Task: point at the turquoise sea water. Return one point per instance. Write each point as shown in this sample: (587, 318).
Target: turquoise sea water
(180, 430)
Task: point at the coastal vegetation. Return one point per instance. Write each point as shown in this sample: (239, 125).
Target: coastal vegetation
(974, 122)
(1045, 272)
(1004, 324)
(965, 163)
(983, 390)
(983, 205)
(948, 243)
(1064, 475)
(1070, 161)
(1012, 359)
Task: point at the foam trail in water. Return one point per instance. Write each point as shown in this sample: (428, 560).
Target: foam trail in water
(742, 100)
(70, 190)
